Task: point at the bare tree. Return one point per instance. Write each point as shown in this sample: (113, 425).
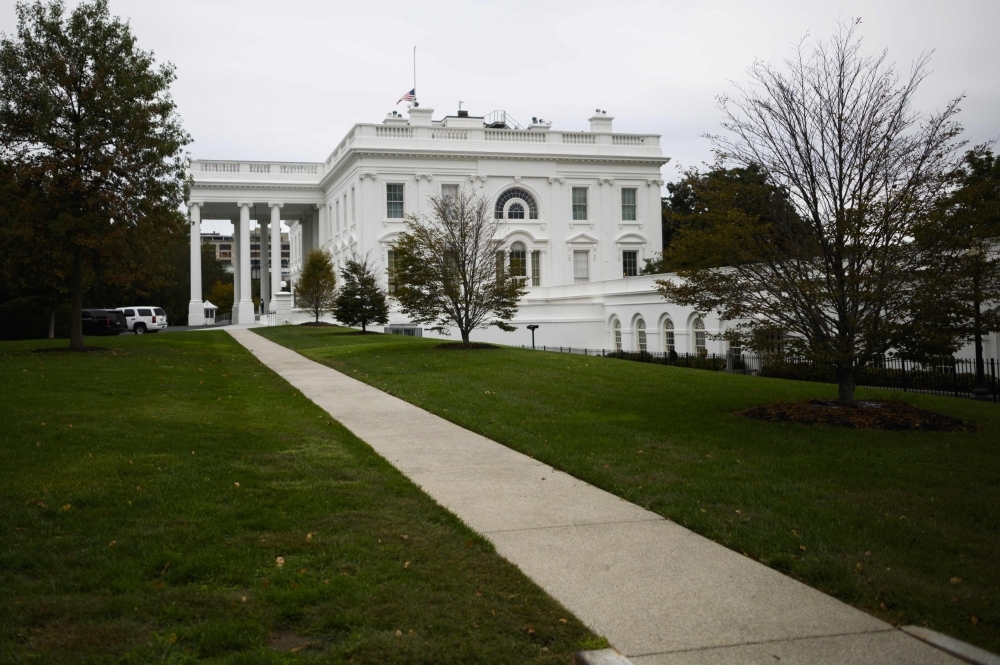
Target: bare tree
(837, 132)
(452, 269)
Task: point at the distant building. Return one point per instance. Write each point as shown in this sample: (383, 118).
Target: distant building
(224, 252)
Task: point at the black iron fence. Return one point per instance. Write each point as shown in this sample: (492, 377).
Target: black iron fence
(945, 376)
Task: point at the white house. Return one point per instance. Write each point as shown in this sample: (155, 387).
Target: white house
(581, 208)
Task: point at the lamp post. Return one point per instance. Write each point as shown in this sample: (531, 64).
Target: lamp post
(533, 327)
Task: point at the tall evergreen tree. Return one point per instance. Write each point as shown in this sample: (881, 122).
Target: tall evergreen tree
(87, 116)
(361, 300)
(956, 296)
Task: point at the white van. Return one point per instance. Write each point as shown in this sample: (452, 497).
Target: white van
(142, 320)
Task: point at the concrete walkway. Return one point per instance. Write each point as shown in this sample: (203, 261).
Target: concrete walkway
(660, 593)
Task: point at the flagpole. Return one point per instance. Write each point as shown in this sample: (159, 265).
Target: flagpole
(414, 74)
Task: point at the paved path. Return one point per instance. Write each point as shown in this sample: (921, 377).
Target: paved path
(660, 593)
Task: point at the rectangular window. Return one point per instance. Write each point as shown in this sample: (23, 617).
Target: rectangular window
(628, 204)
(449, 191)
(630, 264)
(391, 270)
(226, 247)
(579, 203)
(536, 268)
(336, 215)
(353, 206)
(394, 201)
(581, 265)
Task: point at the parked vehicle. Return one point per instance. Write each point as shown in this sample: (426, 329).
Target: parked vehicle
(142, 320)
(103, 322)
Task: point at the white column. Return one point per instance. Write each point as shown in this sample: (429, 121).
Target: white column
(265, 257)
(276, 246)
(244, 313)
(196, 307)
(316, 233)
(236, 268)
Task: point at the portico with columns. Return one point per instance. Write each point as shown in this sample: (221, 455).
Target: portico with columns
(268, 209)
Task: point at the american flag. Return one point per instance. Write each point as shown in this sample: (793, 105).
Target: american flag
(409, 97)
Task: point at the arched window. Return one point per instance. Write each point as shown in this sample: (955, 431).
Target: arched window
(524, 199)
(618, 335)
(699, 336)
(668, 336)
(640, 333)
(518, 259)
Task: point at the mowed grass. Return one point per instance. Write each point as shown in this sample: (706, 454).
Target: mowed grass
(148, 492)
(905, 525)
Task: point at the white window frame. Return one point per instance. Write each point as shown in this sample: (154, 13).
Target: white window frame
(641, 340)
(632, 251)
(402, 203)
(669, 340)
(634, 205)
(616, 335)
(575, 254)
(573, 204)
(699, 335)
(536, 267)
(510, 259)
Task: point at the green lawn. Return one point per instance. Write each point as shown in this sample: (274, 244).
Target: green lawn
(148, 492)
(883, 520)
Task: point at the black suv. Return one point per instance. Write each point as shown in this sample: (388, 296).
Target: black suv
(103, 322)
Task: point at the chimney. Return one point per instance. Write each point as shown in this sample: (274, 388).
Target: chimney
(420, 116)
(462, 113)
(600, 122)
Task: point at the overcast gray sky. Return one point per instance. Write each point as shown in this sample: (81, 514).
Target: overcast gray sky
(285, 80)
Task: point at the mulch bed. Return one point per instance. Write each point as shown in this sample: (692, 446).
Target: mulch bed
(897, 416)
(459, 346)
(363, 332)
(320, 324)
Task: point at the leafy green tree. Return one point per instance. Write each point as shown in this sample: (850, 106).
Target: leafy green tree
(703, 205)
(861, 168)
(361, 300)
(316, 289)
(87, 117)
(29, 268)
(956, 296)
(452, 269)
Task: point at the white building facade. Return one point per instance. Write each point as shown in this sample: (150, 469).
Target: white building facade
(581, 208)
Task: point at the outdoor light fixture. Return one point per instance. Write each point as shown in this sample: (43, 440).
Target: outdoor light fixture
(533, 327)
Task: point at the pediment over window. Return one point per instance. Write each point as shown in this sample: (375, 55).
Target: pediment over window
(524, 233)
(631, 238)
(582, 239)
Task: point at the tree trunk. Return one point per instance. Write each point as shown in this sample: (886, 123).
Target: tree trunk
(465, 336)
(76, 290)
(363, 329)
(845, 388)
(52, 321)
